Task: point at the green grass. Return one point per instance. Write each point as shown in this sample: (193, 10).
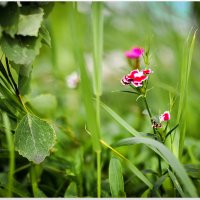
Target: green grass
(10, 144)
(184, 85)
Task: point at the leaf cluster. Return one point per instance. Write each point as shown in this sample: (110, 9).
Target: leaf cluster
(22, 33)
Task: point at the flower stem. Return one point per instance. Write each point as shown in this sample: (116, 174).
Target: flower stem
(147, 107)
(150, 115)
(98, 174)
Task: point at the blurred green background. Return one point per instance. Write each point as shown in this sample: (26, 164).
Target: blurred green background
(126, 24)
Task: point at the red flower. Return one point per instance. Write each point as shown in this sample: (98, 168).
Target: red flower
(165, 116)
(147, 71)
(134, 53)
(136, 77)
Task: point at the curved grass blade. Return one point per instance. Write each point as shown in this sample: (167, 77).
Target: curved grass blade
(130, 165)
(120, 120)
(168, 157)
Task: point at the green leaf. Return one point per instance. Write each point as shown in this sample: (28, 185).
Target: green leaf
(34, 138)
(71, 191)
(24, 79)
(164, 152)
(21, 50)
(47, 7)
(30, 21)
(9, 16)
(176, 183)
(44, 34)
(127, 91)
(116, 178)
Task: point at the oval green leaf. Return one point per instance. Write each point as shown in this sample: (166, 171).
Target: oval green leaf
(34, 138)
(116, 178)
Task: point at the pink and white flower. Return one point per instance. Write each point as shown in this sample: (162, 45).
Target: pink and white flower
(165, 116)
(136, 77)
(134, 53)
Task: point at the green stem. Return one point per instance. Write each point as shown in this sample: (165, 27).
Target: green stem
(150, 115)
(99, 152)
(9, 137)
(98, 174)
(147, 107)
(34, 181)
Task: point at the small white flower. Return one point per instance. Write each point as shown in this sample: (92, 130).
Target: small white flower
(72, 80)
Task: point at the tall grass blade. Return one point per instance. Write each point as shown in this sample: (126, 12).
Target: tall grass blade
(168, 157)
(10, 143)
(185, 72)
(93, 117)
(122, 122)
(97, 24)
(86, 86)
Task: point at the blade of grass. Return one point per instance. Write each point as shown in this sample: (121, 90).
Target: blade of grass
(185, 72)
(130, 165)
(10, 143)
(86, 87)
(168, 157)
(176, 183)
(120, 120)
(93, 119)
(157, 185)
(97, 24)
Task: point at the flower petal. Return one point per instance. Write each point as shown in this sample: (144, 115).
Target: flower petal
(147, 71)
(165, 116)
(134, 53)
